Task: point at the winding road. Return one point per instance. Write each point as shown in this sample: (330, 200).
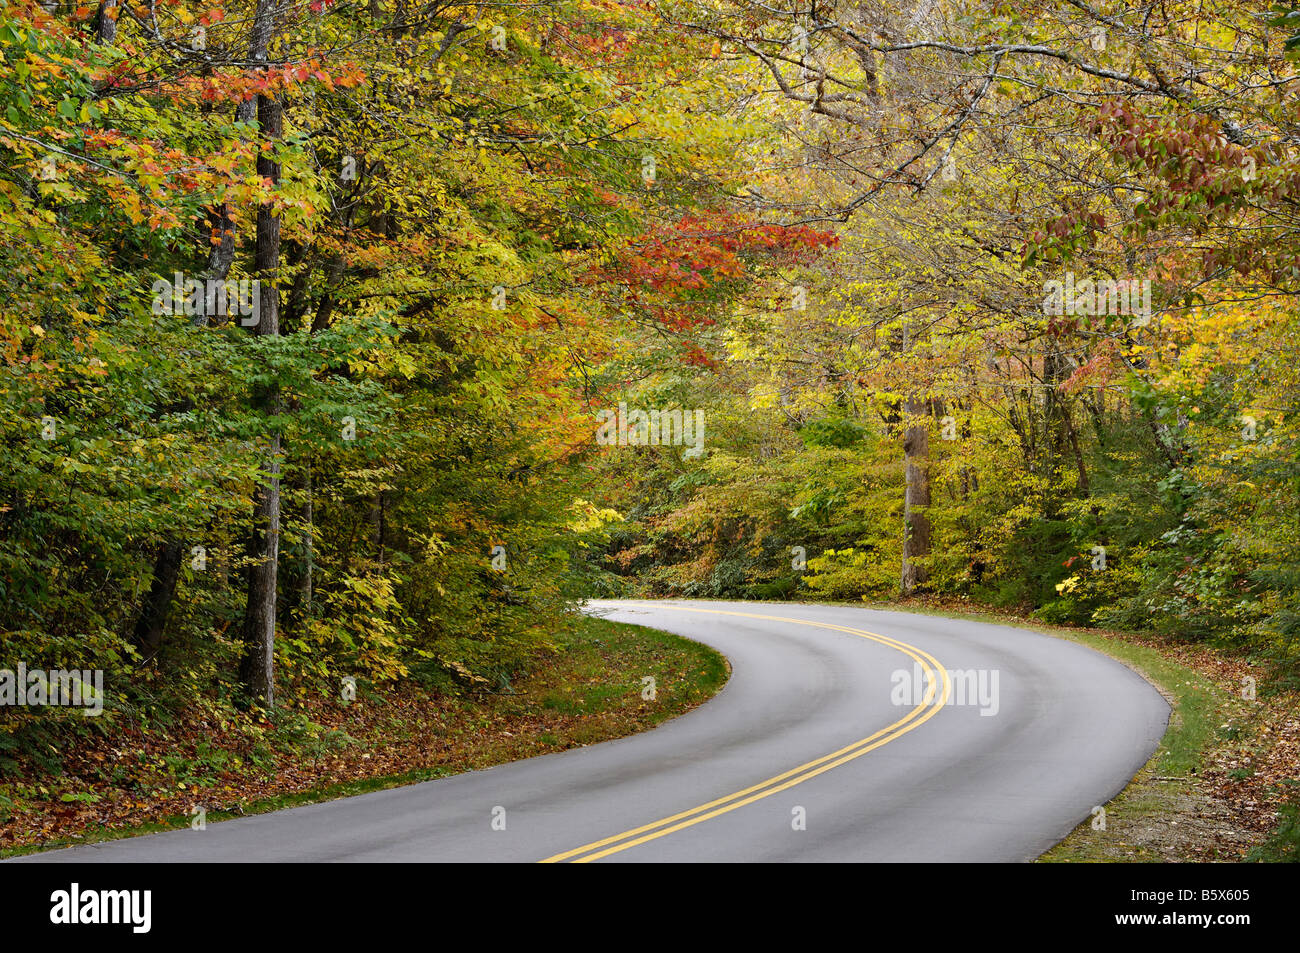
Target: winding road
(844, 734)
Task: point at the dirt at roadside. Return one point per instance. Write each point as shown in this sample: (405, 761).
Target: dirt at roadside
(1227, 807)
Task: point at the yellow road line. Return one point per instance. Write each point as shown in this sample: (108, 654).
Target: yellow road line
(696, 815)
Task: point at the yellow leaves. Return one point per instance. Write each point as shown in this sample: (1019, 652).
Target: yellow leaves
(132, 207)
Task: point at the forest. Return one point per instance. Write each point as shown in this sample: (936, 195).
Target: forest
(360, 342)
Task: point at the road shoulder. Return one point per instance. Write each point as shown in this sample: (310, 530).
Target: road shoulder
(594, 688)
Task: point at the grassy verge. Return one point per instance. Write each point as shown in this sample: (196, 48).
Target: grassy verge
(592, 690)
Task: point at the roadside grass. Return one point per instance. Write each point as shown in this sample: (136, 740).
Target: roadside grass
(590, 691)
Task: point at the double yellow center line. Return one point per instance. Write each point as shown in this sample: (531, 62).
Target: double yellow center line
(936, 676)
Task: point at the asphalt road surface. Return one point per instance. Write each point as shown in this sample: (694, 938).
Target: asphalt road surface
(844, 734)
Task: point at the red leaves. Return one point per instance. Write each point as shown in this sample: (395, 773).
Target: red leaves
(676, 273)
(1189, 154)
(694, 357)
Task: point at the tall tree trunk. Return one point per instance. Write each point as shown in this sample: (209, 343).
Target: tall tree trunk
(153, 617)
(106, 22)
(257, 670)
(916, 500)
(309, 554)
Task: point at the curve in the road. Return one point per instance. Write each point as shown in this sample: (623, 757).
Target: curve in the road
(993, 755)
(788, 779)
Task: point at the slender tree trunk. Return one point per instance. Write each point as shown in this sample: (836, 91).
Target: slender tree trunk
(257, 670)
(916, 496)
(916, 500)
(1073, 433)
(310, 554)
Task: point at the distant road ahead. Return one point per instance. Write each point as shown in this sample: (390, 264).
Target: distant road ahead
(844, 734)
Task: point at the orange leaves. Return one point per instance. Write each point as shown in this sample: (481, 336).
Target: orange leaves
(233, 88)
(1098, 371)
(682, 276)
(703, 252)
